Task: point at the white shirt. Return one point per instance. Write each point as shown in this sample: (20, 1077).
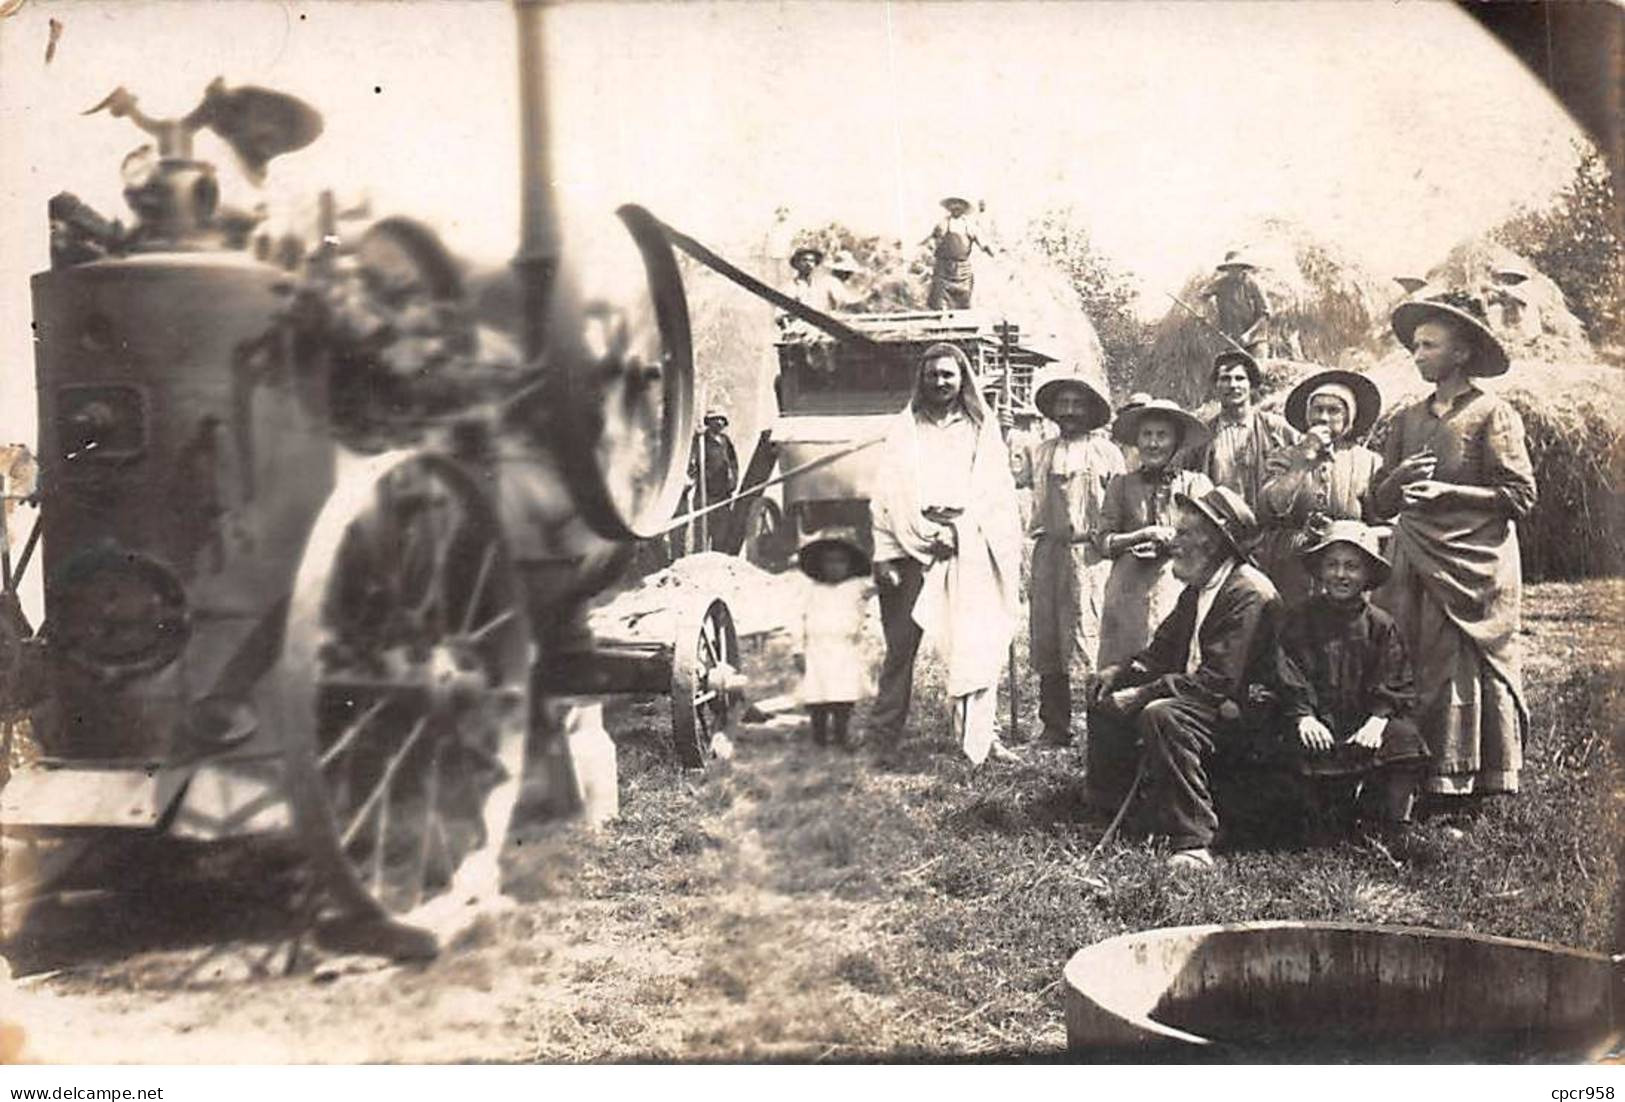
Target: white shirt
(1204, 605)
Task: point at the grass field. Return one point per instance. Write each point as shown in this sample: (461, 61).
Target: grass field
(808, 904)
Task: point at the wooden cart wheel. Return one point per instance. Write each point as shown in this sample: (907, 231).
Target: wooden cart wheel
(618, 337)
(705, 665)
(404, 691)
(765, 536)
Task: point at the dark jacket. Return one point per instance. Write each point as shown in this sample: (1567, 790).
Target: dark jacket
(1353, 660)
(1240, 648)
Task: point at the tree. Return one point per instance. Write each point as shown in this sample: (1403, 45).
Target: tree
(1105, 292)
(1579, 241)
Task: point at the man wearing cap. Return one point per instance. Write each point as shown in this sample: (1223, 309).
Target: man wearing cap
(1325, 476)
(1241, 437)
(1069, 477)
(952, 278)
(715, 452)
(1214, 657)
(947, 558)
(1241, 307)
(1457, 476)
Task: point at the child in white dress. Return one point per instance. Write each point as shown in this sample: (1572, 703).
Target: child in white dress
(835, 674)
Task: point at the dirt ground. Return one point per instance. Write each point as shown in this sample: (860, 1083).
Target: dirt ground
(794, 903)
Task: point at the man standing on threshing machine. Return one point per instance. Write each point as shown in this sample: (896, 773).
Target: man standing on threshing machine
(952, 278)
(1241, 307)
(1069, 477)
(1457, 475)
(1209, 683)
(947, 537)
(1241, 436)
(714, 458)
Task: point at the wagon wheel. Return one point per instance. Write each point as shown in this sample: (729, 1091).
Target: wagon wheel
(764, 535)
(619, 340)
(704, 681)
(403, 691)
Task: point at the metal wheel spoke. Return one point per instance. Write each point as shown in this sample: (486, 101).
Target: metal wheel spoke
(479, 633)
(486, 562)
(351, 733)
(365, 810)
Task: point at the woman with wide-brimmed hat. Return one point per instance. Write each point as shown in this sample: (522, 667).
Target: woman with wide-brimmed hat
(1070, 473)
(1456, 477)
(1137, 525)
(1325, 476)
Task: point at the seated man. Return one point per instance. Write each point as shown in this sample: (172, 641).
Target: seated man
(1353, 659)
(1203, 684)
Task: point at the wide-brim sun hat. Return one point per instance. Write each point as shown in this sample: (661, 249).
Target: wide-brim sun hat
(1051, 382)
(949, 202)
(714, 415)
(843, 262)
(1361, 537)
(1227, 511)
(1126, 429)
(1237, 259)
(1468, 312)
(1237, 356)
(1367, 400)
(846, 538)
(807, 250)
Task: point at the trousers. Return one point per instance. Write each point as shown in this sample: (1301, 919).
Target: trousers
(1172, 740)
(1055, 705)
(896, 688)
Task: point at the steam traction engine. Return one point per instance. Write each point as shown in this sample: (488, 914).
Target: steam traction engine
(313, 557)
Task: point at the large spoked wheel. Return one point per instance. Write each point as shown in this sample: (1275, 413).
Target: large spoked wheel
(404, 691)
(704, 681)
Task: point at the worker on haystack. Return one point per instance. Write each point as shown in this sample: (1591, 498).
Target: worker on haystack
(952, 278)
(947, 539)
(1457, 476)
(1240, 306)
(1507, 299)
(714, 456)
(1241, 436)
(1068, 581)
(1326, 476)
(1210, 679)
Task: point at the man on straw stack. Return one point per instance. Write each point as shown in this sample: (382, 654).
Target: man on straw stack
(952, 278)
(1069, 477)
(1241, 306)
(1458, 476)
(947, 537)
(1241, 437)
(1198, 689)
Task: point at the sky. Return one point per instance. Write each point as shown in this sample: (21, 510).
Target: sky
(1391, 129)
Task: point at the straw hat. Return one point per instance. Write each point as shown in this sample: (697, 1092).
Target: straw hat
(1126, 429)
(846, 538)
(1052, 381)
(1227, 511)
(1237, 356)
(1468, 312)
(1410, 284)
(1237, 259)
(844, 262)
(807, 250)
(952, 201)
(714, 414)
(1359, 536)
(1367, 400)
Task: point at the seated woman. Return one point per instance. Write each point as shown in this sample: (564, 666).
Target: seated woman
(1361, 691)
(1324, 477)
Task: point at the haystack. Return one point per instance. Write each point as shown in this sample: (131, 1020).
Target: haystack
(1574, 421)
(1531, 316)
(1324, 307)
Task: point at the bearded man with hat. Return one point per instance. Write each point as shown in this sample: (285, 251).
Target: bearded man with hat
(1070, 473)
(1241, 437)
(1457, 479)
(952, 278)
(1241, 307)
(1200, 688)
(1325, 476)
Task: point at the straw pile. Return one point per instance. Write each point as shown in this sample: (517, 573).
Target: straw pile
(1324, 307)
(1540, 326)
